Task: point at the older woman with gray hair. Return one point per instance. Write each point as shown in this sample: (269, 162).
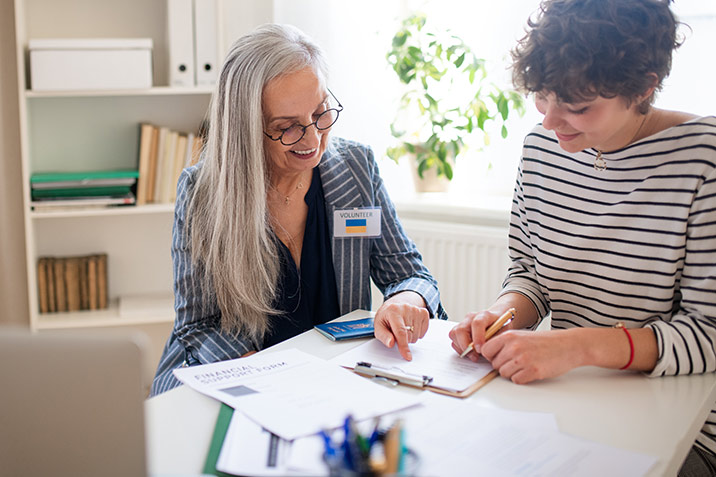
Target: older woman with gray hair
(281, 226)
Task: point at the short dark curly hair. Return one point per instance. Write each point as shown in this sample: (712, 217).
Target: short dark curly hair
(582, 49)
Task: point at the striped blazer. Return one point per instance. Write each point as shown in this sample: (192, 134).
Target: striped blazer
(350, 179)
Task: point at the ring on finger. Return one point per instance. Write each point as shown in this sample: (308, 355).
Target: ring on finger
(409, 328)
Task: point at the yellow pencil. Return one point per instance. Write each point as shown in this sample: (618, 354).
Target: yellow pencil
(494, 328)
(391, 448)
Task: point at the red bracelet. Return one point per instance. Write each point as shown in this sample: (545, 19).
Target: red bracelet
(631, 343)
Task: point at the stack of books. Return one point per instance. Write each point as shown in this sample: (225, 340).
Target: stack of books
(54, 190)
(163, 153)
(72, 283)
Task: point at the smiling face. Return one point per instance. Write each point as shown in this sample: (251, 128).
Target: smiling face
(295, 98)
(606, 124)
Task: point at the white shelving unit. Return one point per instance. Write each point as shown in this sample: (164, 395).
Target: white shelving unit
(94, 130)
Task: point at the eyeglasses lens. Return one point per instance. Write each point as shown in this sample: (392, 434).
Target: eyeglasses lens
(292, 135)
(324, 121)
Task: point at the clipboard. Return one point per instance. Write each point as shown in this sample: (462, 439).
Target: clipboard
(435, 365)
(397, 376)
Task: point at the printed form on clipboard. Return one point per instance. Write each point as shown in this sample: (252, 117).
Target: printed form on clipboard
(435, 365)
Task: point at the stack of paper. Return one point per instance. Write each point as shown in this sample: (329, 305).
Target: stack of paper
(284, 399)
(450, 438)
(292, 393)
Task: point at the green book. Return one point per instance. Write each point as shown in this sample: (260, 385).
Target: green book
(50, 180)
(81, 192)
(217, 440)
(83, 175)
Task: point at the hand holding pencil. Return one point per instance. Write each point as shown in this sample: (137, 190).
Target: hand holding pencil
(496, 326)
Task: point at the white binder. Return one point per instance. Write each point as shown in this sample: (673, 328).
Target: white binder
(206, 40)
(180, 29)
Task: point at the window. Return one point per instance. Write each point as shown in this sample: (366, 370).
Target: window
(356, 37)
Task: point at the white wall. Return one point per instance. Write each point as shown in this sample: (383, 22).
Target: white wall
(689, 87)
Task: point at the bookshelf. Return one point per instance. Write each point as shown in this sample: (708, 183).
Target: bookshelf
(68, 131)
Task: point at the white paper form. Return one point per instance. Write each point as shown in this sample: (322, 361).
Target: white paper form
(432, 356)
(457, 438)
(250, 450)
(292, 393)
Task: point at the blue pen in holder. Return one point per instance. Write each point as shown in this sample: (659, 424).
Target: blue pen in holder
(381, 453)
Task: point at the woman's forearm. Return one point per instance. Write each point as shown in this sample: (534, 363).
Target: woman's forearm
(610, 348)
(525, 311)
(603, 347)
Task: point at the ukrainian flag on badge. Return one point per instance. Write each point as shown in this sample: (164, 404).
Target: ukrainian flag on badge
(356, 226)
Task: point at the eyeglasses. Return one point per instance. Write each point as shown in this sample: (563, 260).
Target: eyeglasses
(295, 132)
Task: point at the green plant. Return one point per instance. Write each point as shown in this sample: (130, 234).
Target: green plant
(448, 96)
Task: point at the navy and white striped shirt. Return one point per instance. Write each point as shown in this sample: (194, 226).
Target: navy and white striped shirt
(350, 179)
(634, 243)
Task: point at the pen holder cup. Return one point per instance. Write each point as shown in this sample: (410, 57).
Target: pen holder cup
(410, 467)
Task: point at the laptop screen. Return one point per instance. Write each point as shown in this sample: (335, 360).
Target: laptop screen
(71, 404)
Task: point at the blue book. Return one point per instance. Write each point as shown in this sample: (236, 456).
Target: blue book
(345, 330)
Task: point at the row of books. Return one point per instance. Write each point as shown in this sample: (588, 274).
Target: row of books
(72, 283)
(50, 191)
(163, 153)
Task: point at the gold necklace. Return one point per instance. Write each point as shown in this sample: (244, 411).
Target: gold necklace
(287, 198)
(600, 164)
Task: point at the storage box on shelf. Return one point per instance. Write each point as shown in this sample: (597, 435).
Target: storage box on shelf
(98, 64)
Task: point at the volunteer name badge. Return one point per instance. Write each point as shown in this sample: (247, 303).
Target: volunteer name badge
(357, 222)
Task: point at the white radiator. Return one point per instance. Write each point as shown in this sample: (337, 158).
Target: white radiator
(468, 261)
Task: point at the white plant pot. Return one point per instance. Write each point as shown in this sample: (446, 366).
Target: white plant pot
(430, 182)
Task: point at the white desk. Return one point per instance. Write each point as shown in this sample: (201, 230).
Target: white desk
(657, 416)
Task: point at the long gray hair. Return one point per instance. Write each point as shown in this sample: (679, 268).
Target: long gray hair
(233, 246)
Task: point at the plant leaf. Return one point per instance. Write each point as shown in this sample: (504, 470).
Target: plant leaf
(400, 38)
(447, 170)
(460, 60)
(442, 152)
(502, 106)
(422, 165)
(416, 53)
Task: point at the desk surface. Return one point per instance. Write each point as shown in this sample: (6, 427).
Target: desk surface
(657, 416)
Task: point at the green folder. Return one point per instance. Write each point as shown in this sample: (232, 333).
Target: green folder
(39, 177)
(217, 440)
(81, 192)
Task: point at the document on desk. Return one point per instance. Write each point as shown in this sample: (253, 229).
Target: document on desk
(452, 436)
(292, 393)
(249, 449)
(433, 356)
